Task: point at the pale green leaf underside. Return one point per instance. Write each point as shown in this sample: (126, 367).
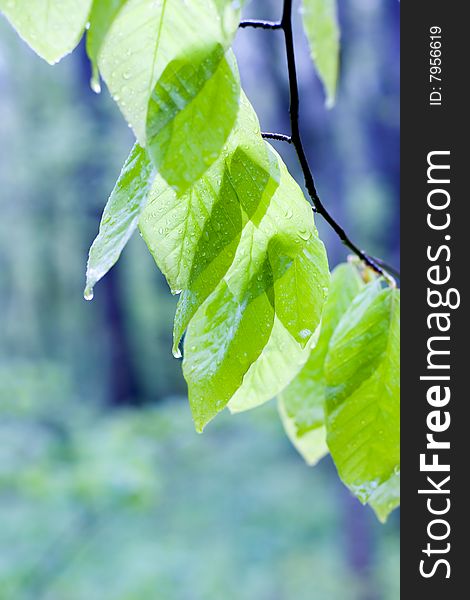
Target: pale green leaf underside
(120, 216)
(311, 445)
(51, 27)
(321, 27)
(271, 372)
(165, 65)
(362, 395)
(303, 399)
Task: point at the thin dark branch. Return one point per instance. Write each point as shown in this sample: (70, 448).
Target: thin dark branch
(260, 24)
(296, 140)
(286, 24)
(387, 267)
(281, 137)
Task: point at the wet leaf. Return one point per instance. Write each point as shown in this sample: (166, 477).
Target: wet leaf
(120, 216)
(51, 27)
(102, 15)
(303, 400)
(362, 396)
(241, 247)
(311, 445)
(322, 29)
(386, 497)
(191, 113)
(166, 66)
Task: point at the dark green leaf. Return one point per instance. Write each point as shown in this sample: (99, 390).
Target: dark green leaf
(191, 113)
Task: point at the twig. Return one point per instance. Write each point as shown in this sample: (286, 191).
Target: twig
(260, 24)
(281, 137)
(296, 139)
(286, 23)
(388, 267)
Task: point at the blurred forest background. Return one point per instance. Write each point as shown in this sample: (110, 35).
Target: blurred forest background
(106, 491)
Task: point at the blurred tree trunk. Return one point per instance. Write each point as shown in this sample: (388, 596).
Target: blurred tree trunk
(360, 546)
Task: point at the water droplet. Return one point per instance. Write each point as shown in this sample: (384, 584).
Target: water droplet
(88, 293)
(95, 85)
(176, 352)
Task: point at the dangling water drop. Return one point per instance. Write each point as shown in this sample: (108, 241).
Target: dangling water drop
(95, 85)
(95, 80)
(88, 293)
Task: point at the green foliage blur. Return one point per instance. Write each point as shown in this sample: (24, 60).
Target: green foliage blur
(106, 491)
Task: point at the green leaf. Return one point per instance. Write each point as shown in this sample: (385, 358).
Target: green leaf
(51, 27)
(321, 27)
(311, 445)
(229, 333)
(386, 497)
(362, 396)
(271, 372)
(241, 247)
(120, 216)
(304, 398)
(103, 13)
(164, 62)
(193, 236)
(302, 402)
(229, 14)
(191, 113)
(226, 336)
